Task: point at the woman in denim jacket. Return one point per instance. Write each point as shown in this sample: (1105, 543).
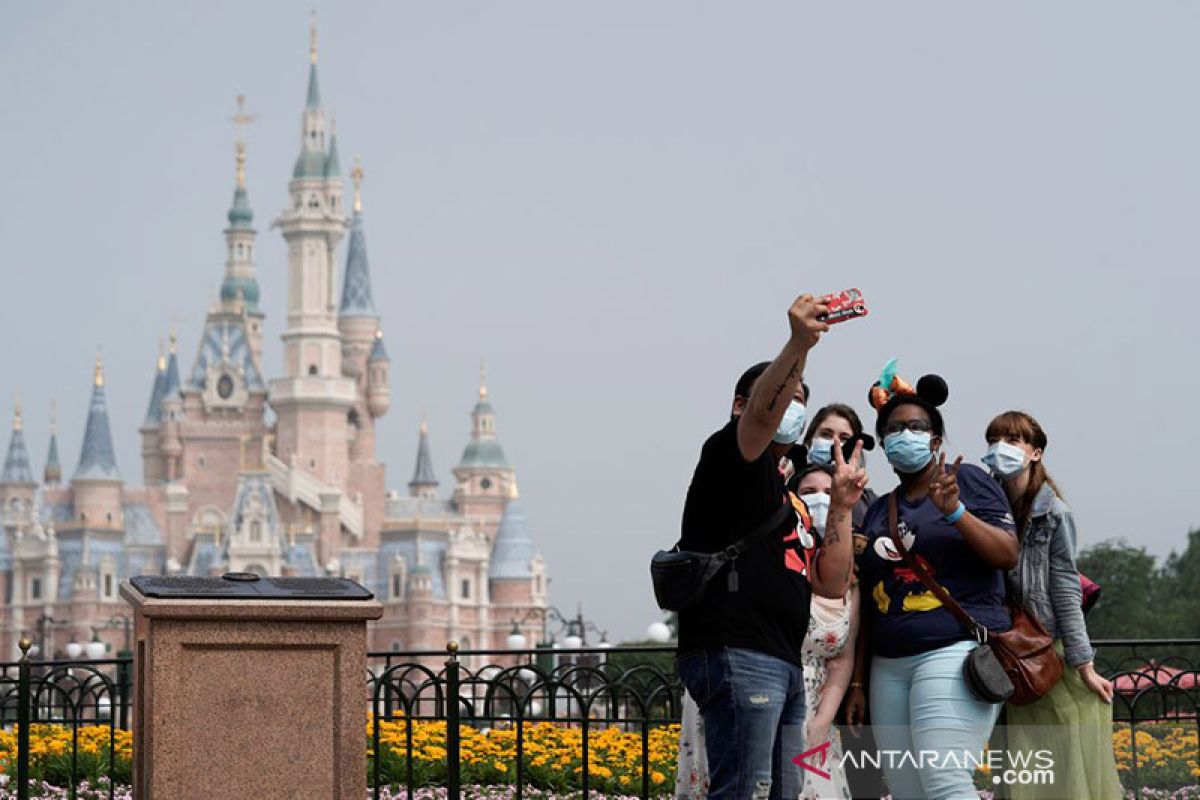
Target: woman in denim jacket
(1073, 720)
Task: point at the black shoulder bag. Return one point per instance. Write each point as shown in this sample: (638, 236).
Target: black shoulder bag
(681, 576)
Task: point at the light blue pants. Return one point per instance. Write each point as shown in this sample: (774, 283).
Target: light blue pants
(921, 704)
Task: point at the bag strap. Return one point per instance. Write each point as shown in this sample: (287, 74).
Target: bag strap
(974, 628)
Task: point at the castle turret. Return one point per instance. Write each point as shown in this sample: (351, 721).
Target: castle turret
(484, 476)
(379, 390)
(96, 484)
(424, 482)
(313, 400)
(172, 414)
(16, 481)
(239, 289)
(153, 468)
(52, 474)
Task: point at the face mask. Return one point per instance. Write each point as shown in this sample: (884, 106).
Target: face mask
(791, 425)
(908, 451)
(818, 508)
(821, 452)
(1005, 460)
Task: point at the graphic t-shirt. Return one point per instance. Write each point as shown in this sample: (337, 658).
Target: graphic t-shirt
(728, 498)
(905, 617)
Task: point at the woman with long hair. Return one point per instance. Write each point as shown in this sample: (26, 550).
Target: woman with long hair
(1074, 719)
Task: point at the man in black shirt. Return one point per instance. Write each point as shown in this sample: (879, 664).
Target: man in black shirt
(740, 644)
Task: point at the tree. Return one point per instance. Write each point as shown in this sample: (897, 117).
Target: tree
(1178, 601)
(1127, 576)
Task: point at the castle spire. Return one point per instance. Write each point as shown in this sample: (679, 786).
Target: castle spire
(16, 464)
(240, 283)
(312, 159)
(97, 460)
(356, 285)
(53, 472)
(424, 481)
(154, 411)
(171, 383)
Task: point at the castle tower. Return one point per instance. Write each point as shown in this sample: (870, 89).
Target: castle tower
(358, 323)
(516, 573)
(170, 442)
(52, 474)
(484, 477)
(153, 468)
(313, 400)
(17, 486)
(424, 483)
(239, 290)
(96, 484)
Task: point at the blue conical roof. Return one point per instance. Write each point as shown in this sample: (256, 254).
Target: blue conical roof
(356, 286)
(97, 460)
(240, 213)
(313, 99)
(53, 472)
(333, 165)
(513, 550)
(16, 464)
(171, 383)
(154, 412)
(423, 474)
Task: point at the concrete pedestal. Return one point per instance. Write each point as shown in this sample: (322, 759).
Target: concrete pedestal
(238, 699)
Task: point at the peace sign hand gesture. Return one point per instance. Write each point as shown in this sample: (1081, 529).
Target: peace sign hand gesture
(943, 489)
(849, 478)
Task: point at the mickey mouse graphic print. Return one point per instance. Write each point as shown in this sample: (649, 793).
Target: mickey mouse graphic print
(906, 618)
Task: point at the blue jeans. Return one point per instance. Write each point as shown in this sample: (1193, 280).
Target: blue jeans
(752, 705)
(921, 704)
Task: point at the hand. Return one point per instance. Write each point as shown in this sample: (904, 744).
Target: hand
(802, 318)
(855, 706)
(1093, 681)
(943, 489)
(849, 478)
(816, 732)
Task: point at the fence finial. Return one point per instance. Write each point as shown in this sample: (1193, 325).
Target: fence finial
(26, 644)
(452, 647)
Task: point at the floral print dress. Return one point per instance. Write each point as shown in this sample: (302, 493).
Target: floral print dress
(828, 634)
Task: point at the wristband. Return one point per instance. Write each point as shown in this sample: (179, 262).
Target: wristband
(957, 514)
(856, 683)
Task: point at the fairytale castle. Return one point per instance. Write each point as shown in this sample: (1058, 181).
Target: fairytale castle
(277, 476)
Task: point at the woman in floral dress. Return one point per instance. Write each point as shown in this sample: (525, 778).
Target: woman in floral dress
(828, 661)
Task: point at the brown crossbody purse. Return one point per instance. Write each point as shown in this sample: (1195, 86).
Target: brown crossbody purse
(1018, 665)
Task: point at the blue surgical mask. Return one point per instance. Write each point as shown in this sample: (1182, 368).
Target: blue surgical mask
(817, 504)
(792, 424)
(821, 452)
(1005, 460)
(908, 451)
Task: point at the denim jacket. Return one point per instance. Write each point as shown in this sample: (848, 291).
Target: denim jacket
(1046, 579)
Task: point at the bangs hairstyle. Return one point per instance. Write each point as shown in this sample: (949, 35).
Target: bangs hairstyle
(1023, 427)
(834, 410)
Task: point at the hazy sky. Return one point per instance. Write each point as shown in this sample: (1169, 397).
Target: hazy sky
(615, 203)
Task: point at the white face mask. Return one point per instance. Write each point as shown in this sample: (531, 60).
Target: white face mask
(792, 424)
(1005, 460)
(817, 504)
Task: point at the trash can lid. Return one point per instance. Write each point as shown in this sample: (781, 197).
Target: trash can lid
(248, 586)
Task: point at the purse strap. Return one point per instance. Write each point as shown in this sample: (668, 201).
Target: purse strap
(979, 632)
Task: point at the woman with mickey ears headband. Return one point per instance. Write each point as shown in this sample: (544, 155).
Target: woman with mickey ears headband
(1074, 719)
(955, 521)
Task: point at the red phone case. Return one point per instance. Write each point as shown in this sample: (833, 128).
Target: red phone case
(844, 305)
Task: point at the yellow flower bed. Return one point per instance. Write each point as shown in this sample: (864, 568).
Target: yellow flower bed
(552, 755)
(50, 748)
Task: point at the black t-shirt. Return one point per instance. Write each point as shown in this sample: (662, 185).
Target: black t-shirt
(728, 498)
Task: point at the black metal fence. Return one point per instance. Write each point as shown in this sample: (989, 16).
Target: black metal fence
(444, 695)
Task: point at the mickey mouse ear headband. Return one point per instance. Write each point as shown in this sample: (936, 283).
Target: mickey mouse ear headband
(931, 389)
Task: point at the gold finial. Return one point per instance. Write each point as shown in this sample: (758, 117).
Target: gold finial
(16, 415)
(26, 644)
(424, 424)
(241, 119)
(312, 38)
(162, 359)
(99, 376)
(483, 393)
(356, 175)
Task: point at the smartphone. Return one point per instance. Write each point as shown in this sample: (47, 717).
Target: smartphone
(844, 305)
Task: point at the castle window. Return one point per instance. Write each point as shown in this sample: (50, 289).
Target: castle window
(241, 249)
(108, 585)
(312, 369)
(35, 588)
(108, 517)
(396, 645)
(255, 531)
(200, 461)
(466, 590)
(539, 584)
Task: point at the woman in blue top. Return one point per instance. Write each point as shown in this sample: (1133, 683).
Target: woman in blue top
(956, 521)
